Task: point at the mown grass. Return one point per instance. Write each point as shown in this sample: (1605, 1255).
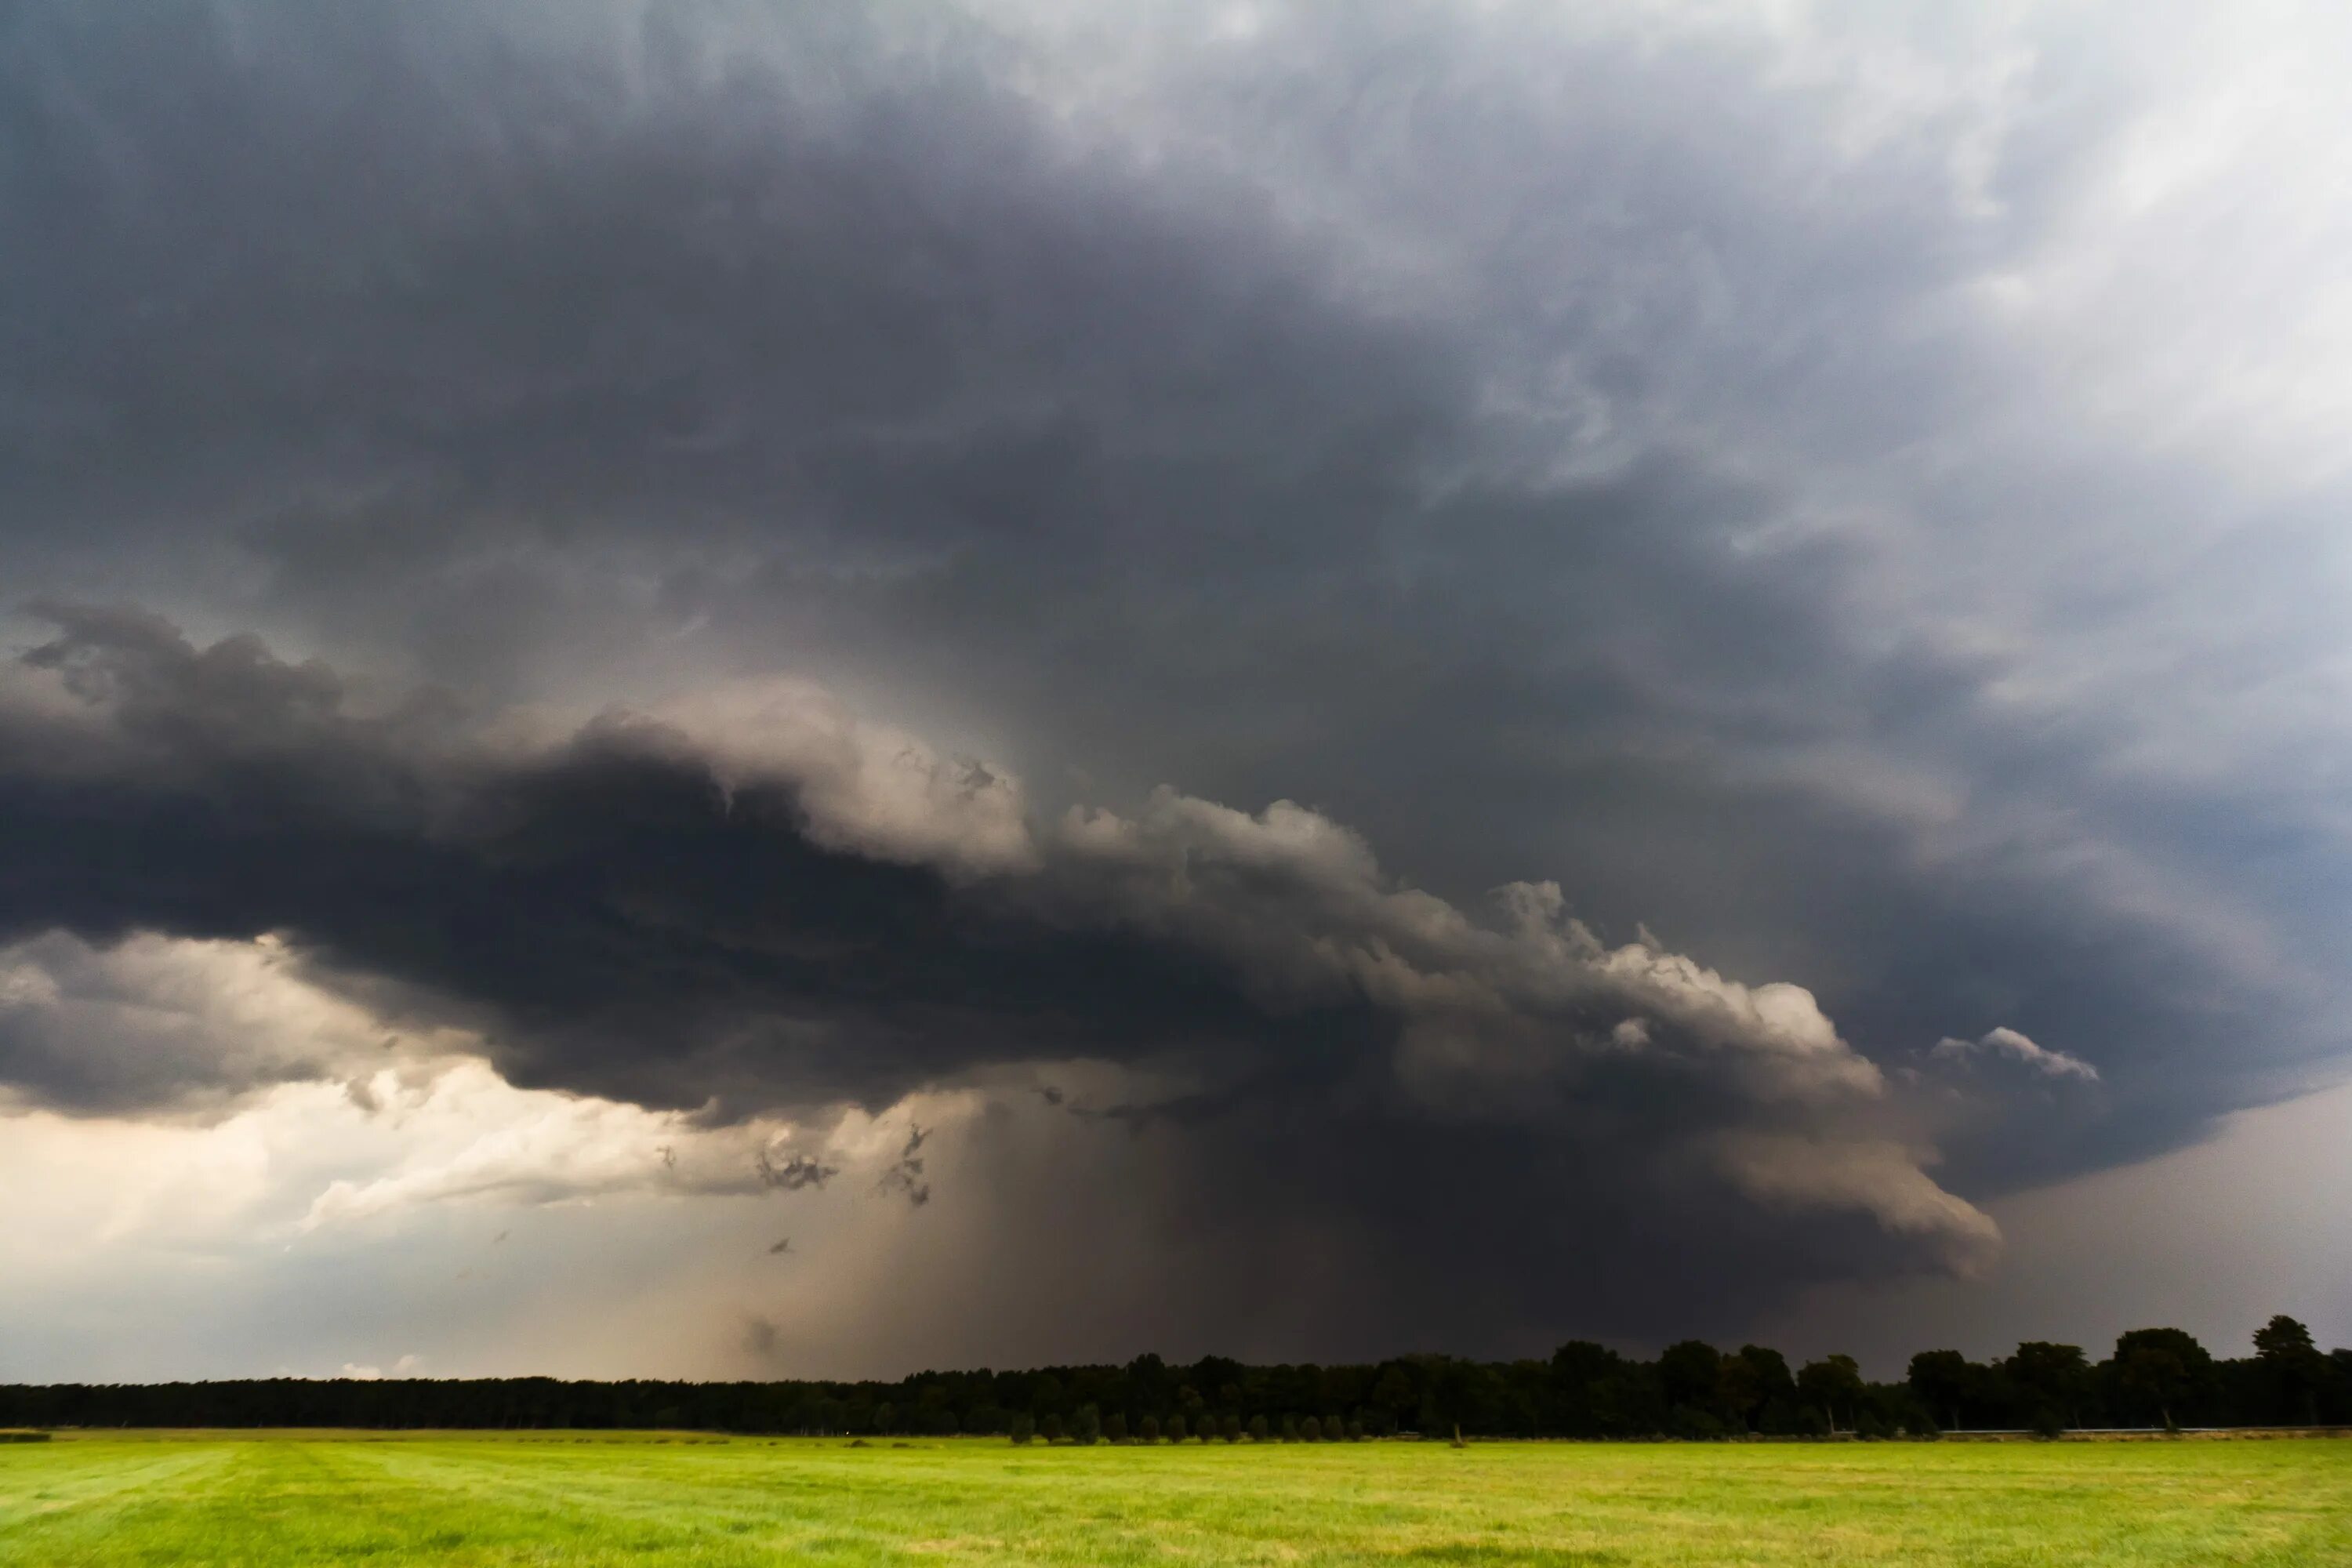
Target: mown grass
(547, 1499)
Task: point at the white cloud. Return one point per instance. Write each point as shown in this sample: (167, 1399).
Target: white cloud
(1298, 903)
(2007, 1042)
(411, 1365)
(867, 787)
(1884, 1180)
(469, 1137)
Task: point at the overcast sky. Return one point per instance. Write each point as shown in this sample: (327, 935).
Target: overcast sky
(1303, 681)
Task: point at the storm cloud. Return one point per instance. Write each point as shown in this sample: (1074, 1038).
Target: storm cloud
(1494, 637)
(617, 912)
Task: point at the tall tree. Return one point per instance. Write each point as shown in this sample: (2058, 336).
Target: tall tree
(1943, 1380)
(2051, 1380)
(1755, 1380)
(2161, 1372)
(1692, 1371)
(2292, 1367)
(1835, 1386)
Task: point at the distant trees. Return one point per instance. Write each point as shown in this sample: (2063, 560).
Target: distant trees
(2156, 1377)
(1257, 1429)
(1693, 1390)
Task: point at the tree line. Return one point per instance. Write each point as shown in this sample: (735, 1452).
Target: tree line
(2154, 1378)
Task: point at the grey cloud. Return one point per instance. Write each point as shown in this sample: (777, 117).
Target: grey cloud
(2008, 1043)
(615, 914)
(1415, 413)
(610, 894)
(759, 1335)
(794, 1173)
(148, 1024)
(905, 1177)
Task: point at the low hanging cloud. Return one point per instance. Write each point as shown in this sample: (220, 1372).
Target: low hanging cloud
(1884, 1180)
(469, 1138)
(151, 1022)
(722, 934)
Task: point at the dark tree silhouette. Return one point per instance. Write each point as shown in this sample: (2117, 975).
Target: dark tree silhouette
(2294, 1369)
(2162, 1371)
(1692, 1372)
(1943, 1380)
(1833, 1386)
(2049, 1382)
(1582, 1391)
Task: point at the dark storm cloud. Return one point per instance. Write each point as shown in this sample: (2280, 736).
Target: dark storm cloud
(93, 1029)
(635, 925)
(620, 913)
(1417, 413)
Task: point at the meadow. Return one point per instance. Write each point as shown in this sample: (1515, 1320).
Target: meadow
(564, 1498)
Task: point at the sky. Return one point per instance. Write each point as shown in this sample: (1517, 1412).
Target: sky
(737, 690)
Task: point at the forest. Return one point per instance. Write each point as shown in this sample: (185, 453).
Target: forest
(2153, 1378)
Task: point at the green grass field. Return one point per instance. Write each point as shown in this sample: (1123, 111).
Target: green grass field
(578, 1498)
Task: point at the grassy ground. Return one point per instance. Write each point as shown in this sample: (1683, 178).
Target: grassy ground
(574, 1499)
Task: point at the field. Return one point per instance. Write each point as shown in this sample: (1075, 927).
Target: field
(582, 1498)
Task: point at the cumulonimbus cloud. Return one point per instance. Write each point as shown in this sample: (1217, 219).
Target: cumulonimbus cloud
(783, 913)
